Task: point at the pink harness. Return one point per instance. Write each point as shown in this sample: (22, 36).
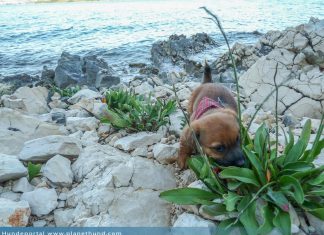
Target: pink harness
(206, 104)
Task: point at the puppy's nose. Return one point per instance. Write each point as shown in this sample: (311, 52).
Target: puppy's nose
(240, 162)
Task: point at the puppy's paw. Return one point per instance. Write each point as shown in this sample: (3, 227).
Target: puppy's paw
(182, 163)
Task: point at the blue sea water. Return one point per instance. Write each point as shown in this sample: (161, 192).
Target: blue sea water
(35, 34)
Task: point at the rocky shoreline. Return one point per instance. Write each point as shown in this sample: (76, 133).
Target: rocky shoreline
(95, 175)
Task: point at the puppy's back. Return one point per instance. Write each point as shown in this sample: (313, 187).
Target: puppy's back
(213, 91)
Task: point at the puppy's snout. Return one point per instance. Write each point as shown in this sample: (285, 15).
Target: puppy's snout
(240, 162)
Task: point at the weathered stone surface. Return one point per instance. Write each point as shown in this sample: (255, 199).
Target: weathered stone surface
(45, 148)
(176, 120)
(165, 154)
(84, 94)
(22, 185)
(11, 168)
(89, 70)
(58, 171)
(9, 84)
(68, 71)
(190, 220)
(63, 217)
(144, 89)
(82, 123)
(316, 223)
(16, 128)
(144, 169)
(133, 141)
(89, 138)
(31, 100)
(11, 196)
(14, 214)
(42, 200)
(302, 91)
(131, 208)
(122, 174)
(179, 47)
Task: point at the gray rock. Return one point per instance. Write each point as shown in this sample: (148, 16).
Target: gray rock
(301, 94)
(39, 223)
(144, 169)
(140, 139)
(89, 138)
(176, 120)
(22, 185)
(190, 220)
(58, 171)
(122, 174)
(42, 201)
(16, 128)
(165, 154)
(178, 48)
(9, 84)
(69, 70)
(63, 218)
(11, 196)
(316, 223)
(45, 148)
(131, 208)
(289, 120)
(82, 123)
(105, 78)
(144, 89)
(92, 65)
(34, 99)
(11, 168)
(140, 152)
(13, 214)
(84, 94)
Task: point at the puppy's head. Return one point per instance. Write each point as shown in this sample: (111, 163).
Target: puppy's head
(219, 135)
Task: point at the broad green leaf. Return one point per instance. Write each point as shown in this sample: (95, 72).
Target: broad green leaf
(241, 174)
(226, 227)
(298, 149)
(215, 210)
(230, 200)
(282, 221)
(256, 164)
(279, 199)
(292, 187)
(248, 219)
(298, 166)
(187, 196)
(309, 173)
(33, 170)
(233, 185)
(260, 140)
(318, 144)
(195, 164)
(204, 171)
(267, 225)
(316, 181)
(318, 192)
(319, 213)
(290, 143)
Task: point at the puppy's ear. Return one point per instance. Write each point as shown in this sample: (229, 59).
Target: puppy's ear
(187, 144)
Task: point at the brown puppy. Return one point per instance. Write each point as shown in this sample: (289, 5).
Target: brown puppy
(213, 118)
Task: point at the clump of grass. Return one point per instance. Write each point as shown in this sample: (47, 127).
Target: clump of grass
(132, 112)
(33, 170)
(271, 181)
(66, 92)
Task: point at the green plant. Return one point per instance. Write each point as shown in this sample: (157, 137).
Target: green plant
(33, 170)
(66, 92)
(291, 179)
(135, 112)
(270, 181)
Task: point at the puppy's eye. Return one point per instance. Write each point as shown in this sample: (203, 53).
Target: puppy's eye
(220, 148)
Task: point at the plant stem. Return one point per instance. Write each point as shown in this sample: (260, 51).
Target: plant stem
(276, 107)
(218, 23)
